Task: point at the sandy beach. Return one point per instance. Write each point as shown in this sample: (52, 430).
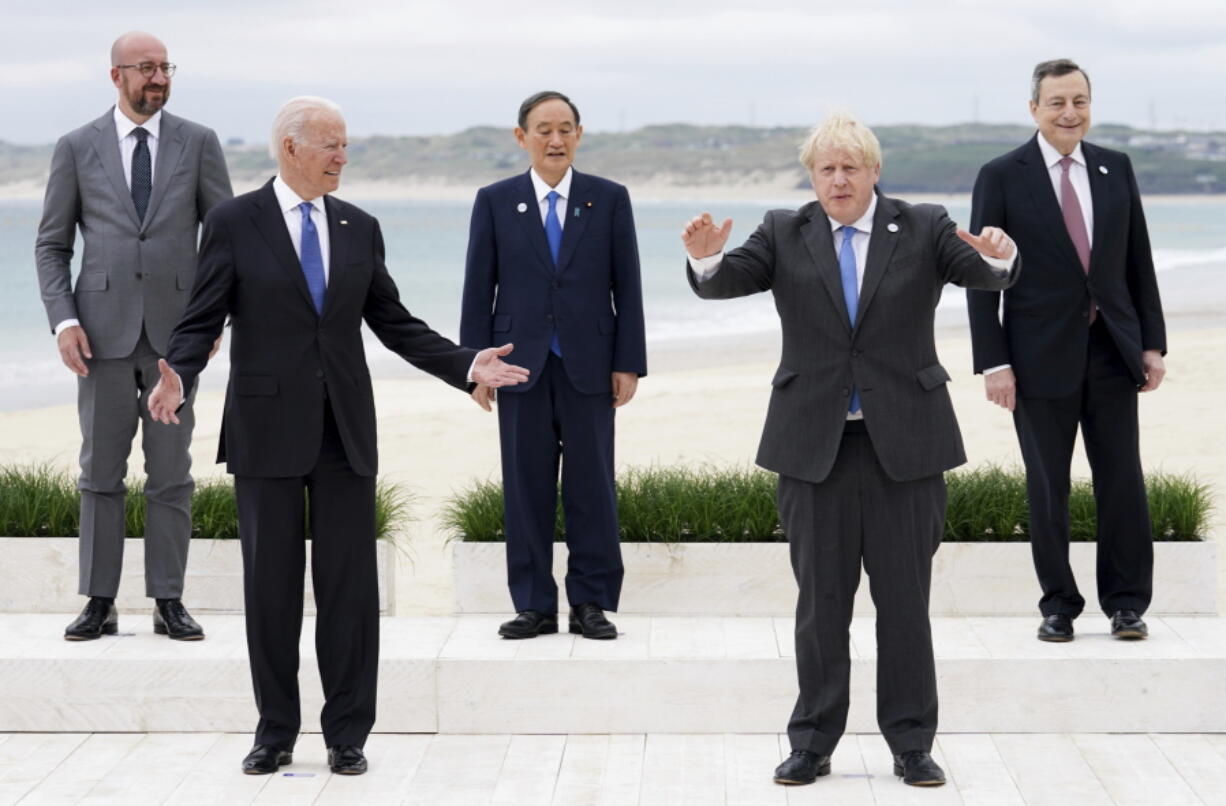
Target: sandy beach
(699, 405)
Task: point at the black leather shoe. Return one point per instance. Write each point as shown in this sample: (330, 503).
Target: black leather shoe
(1056, 628)
(916, 768)
(802, 767)
(99, 618)
(589, 620)
(529, 624)
(264, 759)
(346, 760)
(170, 618)
(1127, 624)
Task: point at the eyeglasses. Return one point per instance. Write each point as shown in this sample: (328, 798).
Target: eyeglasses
(147, 69)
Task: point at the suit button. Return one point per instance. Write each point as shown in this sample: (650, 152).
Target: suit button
(1085, 314)
(142, 236)
(845, 391)
(557, 283)
(140, 275)
(855, 353)
(548, 317)
(319, 373)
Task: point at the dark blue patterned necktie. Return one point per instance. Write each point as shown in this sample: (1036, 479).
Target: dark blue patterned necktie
(142, 172)
(553, 234)
(312, 258)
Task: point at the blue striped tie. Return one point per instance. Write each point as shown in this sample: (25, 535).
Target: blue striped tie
(312, 258)
(553, 234)
(851, 294)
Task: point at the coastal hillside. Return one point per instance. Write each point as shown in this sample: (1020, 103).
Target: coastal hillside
(917, 159)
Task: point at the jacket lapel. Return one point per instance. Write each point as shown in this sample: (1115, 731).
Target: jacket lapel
(1045, 202)
(170, 151)
(338, 250)
(270, 223)
(530, 220)
(881, 244)
(106, 146)
(1099, 188)
(577, 215)
(816, 234)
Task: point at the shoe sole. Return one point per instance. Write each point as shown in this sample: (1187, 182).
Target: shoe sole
(595, 636)
(1130, 635)
(1055, 639)
(340, 771)
(161, 630)
(520, 636)
(270, 772)
(108, 629)
(937, 782)
(797, 782)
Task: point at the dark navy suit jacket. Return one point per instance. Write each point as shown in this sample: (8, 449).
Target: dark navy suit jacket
(593, 297)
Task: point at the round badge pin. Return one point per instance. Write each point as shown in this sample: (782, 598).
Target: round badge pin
(521, 208)
(892, 227)
(1102, 169)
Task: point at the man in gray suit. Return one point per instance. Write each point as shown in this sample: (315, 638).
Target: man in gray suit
(860, 426)
(137, 182)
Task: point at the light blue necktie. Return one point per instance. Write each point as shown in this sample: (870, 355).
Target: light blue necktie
(851, 294)
(312, 258)
(553, 234)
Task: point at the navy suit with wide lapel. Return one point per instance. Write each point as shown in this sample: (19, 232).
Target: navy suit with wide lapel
(1071, 373)
(592, 300)
(300, 417)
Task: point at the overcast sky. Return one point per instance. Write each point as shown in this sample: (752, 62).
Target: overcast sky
(430, 66)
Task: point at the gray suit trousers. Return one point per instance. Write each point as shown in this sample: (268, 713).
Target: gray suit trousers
(858, 514)
(111, 401)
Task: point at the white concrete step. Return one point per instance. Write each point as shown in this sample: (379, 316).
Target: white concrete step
(663, 674)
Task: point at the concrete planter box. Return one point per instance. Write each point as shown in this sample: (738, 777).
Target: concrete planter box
(39, 575)
(755, 579)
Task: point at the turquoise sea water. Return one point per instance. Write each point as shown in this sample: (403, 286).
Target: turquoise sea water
(425, 254)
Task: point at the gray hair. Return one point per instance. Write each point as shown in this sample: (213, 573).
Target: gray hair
(292, 118)
(1055, 68)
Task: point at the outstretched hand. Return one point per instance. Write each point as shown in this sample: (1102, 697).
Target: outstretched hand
(990, 242)
(166, 397)
(702, 238)
(490, 370)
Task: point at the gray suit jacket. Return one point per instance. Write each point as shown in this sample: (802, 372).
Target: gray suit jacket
(132, 273)
(890, 355)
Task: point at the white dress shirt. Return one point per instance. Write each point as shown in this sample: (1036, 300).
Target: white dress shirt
(288, 201)
(542, 189)
(124, 126)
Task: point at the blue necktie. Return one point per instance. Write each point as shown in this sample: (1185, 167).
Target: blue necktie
(553, 234)
(312, 258)
(851, 294)
(142, 172)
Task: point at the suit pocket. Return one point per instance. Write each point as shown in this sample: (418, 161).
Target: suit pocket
(783, 376)
(932, 377)
(606, 325)
(502, 323)
(92, 281)
(183, 280)
(255, 385)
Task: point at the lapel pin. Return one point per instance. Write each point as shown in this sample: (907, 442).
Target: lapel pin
(576, 212)
(521, 208)
(589, 204)
(892, 227)
(344, 222)
(1102, 169)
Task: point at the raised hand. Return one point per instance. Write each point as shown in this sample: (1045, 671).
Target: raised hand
(167, 396)
(990, 242)
(490, 370)
(702, 238)
(74, 349)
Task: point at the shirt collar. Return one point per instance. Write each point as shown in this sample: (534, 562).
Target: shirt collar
(124, 124)
(541, 187)
(288, 200)
(864, 223)
(1052, 157)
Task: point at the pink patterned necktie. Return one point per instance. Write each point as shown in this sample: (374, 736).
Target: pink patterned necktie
(1075, 222)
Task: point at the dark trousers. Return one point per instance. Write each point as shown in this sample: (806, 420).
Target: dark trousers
(1105, 406)
(111, 401)
(858, 514)
(552, 422)
(343, 564)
